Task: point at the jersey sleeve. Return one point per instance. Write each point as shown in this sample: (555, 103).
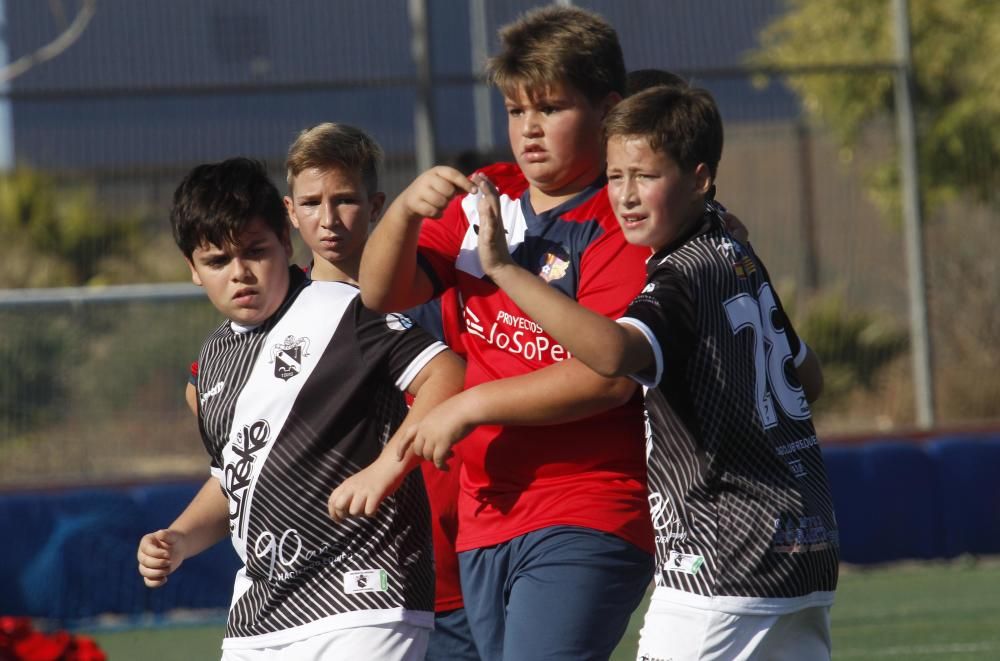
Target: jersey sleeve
(394, 343)
(665, 314)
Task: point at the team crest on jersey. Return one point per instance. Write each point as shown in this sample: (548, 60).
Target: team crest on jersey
(398, 322)
(554, 264)
(287, 356)
(742, 262)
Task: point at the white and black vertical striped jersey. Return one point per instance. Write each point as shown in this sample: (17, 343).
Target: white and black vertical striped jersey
(741, 508)
(287, 411)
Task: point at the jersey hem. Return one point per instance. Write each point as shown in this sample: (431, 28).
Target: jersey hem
(743, 605)
(424, 619)
(445, 605)
(468, 543)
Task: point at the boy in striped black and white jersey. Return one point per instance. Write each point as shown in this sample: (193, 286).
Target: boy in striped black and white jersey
(299, 391)
(746, 538)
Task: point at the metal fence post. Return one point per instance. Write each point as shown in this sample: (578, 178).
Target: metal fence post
(920, 345)
(423, 109)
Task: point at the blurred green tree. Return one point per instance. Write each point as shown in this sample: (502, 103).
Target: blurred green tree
(57, 235)
(956, 79)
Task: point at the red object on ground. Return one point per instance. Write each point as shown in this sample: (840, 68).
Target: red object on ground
(20, 642)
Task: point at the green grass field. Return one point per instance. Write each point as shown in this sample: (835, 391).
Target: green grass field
(947, 611)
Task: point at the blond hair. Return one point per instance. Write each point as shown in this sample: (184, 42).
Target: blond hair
(331, 145)
(559, 44)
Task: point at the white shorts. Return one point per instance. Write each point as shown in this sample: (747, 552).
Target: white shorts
(395, 641)
(675, 632)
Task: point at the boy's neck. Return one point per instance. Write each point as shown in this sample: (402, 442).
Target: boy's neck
(325, 271)
(542, 200)
(684, 230)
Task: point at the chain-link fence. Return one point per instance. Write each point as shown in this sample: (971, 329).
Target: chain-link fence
(91, 380)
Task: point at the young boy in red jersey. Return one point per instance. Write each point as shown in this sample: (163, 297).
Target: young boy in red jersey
(554, 536)
(299, 392)
(746, 535)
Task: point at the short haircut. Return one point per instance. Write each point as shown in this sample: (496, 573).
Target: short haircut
(642, 79)
(558, 44)
(330, 145)
(216, 202)
(683, 122)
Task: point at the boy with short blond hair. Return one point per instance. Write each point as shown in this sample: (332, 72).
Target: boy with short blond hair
(334, 199)
(300, 395)
(554, 536)
(746, 538)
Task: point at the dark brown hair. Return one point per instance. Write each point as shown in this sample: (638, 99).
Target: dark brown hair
(684, 122)
(216, 202)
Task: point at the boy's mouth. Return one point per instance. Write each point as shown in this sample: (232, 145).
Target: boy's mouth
(533, 153)
(632, 219)
(244, 296)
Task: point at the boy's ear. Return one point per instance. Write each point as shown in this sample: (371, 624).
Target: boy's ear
(378, 205)
(703, 179)
(195, 278)
(290, 208)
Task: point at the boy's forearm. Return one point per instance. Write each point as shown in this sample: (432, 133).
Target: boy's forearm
(600, 343)
(205, 521)
(389, 277)
(810, 374)
(563, 392)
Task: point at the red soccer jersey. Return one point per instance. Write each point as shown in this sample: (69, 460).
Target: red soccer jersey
(589, 473)
(443, 488)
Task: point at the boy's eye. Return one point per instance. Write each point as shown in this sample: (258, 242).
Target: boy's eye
(548, 110)
(514, 112)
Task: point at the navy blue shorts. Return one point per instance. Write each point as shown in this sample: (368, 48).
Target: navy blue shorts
(556, 593)
(451, 639)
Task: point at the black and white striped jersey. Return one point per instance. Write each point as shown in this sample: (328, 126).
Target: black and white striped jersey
(738, 492)
(288, 410)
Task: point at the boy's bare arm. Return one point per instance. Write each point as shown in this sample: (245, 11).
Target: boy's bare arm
(202, 524)
(810, 374)
(608, 348)
(362, 493)
(558, 393)
(191, 397)
(389, 277)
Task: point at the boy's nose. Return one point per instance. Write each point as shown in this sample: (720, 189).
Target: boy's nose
(329, 216)
(241, 271)
(530, 127)
(627, 195)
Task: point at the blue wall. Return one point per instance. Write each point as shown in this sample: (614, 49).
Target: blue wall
(71, 554)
